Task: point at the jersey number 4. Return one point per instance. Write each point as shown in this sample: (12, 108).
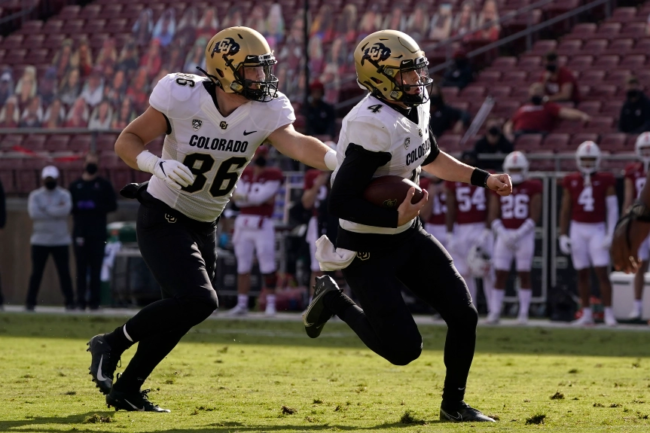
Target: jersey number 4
(225, 179)
(586, 199)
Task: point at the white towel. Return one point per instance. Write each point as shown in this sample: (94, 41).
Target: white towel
(330, 258)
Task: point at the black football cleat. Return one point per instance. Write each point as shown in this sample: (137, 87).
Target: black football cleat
(103, 363)
(317, 314)
(133, 402)
(462, 412)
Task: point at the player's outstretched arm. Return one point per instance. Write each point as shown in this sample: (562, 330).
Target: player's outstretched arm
(449, 168)
(308, 150)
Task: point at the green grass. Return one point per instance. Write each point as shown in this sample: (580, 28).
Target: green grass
(230, 376)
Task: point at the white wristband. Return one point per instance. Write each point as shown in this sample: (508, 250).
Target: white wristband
(330, 159)
(146, 161)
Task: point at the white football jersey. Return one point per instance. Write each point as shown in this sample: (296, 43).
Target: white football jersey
(377, 127)
(214, 147)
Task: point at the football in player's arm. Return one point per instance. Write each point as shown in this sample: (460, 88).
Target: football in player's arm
(513, 218)
(587, 219)
(380, 250)
(212, 127)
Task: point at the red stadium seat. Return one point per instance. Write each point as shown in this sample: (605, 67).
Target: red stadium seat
(35, 142)
(603, 92)
(80, 143)
(595, 46)
(635, 61)
(609, 29)
(57, 143)
(556, 141)
(584, 29)
(74, 26)
(90, 11)
(612, 108)
(530, 63)
(506, 108)
(70, 11)
(618, 77)
(8, 141)
(642, 46)
(504, 63)
(544, 46)
(499, 92)
(31, 27)
(52, 26)
(580, 63)
(618, 46)
(105, 143)
(473, 93)
(592, 76)
(514, 77)
(607, 61)
(449, 93)
(634, 29)
(489, 76)
(600, 124)
(590, 107)
(578, 139)
(529, 142)
(449, 143)
(614, 142)
(570, 47)
(623, 14)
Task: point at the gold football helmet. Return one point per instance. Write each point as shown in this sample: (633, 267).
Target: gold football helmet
(382, 59)
(234, 50)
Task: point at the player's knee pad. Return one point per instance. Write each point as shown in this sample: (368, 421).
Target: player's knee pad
(270, 280)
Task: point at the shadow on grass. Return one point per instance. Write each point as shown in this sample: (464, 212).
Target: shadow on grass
(495, 340)
(96, 418)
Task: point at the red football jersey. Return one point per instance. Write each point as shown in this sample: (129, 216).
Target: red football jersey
(439, 208)
(310, 178)
(248, 182)
(471, 203)
(588, 203)
(637, 175)
(515, 208)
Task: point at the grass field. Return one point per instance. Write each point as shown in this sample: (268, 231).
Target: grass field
(236, 376)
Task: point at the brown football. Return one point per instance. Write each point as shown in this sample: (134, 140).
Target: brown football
(390, 191)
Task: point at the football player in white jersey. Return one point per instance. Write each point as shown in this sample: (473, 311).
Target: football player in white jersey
(382, 250)
(213, 126)
(635, 179)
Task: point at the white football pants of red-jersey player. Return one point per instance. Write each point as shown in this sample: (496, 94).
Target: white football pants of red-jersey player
(470, 216)
(435, 224)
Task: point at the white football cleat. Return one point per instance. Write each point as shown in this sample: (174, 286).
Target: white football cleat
(238, 311)
(610, 320)
(522, 320)
(492, 319)
(634, 316)
(583, 321)
(270, 310)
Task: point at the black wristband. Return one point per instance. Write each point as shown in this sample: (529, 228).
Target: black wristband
(479, 177)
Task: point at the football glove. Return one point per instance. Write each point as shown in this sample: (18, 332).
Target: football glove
(565, 244)
(172, 172)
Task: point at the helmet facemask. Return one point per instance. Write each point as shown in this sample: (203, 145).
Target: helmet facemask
(588, 164)
(264, 87)
(644, 155)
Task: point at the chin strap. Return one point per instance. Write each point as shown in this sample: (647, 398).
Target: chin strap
(211, 77)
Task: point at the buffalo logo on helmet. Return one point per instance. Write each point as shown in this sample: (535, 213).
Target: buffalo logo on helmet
(363, 256)
(227, 47)
(378, 52)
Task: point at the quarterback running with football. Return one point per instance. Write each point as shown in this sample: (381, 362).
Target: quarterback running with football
(513, 218)
(635, 179)
(587, 221)
(382, 250)
(212, 127)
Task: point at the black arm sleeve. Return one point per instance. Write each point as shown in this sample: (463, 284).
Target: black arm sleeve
(346, 198)
(3, 207)
(435, 150)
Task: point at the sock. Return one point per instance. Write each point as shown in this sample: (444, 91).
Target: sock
(525, 295)
(497, 300)
(488, 288)
(586, 312)
(638, 306)
(270, 301)
(119, 340)
(609, 312)
(242, 301)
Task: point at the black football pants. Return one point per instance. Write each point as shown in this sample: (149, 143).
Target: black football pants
(89, 256)
(385, 324)
(61, 256)
(181, 254)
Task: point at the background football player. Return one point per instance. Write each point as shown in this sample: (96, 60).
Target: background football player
(635, 179)
(381, 250)
(315, 190)
(254, 231)
(213, 126)
(434, 215)
(513, 219)
(467, 227)
(590, 205)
